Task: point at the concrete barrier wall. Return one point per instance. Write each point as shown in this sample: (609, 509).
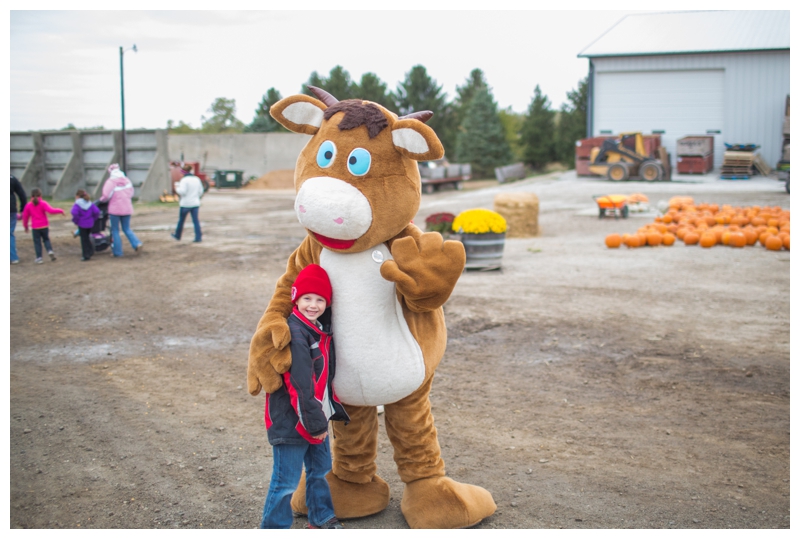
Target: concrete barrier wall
(254, 153)
(61, 162)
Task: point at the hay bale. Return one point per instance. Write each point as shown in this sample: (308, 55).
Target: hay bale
(521, 212)
(274, 179)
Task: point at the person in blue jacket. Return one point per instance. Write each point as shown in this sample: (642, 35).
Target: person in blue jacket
(297, 414)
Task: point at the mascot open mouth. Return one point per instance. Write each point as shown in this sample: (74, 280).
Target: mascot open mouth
(332, 243)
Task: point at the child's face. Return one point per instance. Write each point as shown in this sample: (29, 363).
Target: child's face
(311, 306)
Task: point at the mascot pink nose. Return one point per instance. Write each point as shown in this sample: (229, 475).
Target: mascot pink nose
(338, 220)
(302, 209)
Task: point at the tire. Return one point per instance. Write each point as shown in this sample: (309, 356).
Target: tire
(618, 172)
(787, 184)
(625, 211)
(458, 186)
(651, 171)
(602, 212)
(428, 188)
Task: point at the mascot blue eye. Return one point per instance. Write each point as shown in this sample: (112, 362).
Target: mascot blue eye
(326, 154)
(359, 161)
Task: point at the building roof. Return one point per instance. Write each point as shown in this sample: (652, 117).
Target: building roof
(685, 32)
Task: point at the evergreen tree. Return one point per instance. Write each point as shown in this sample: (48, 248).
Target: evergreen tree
(465, 93)
(481, 140)
(263, 122)
(338, 84)
(223, 118)
(538, 131)
(512, 125)
(420, 92)
(313, 80)
(572, 123)
(374, 89)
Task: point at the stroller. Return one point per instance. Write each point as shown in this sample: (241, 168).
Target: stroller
(100, 238)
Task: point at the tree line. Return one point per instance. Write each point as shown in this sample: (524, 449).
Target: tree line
(471, 126)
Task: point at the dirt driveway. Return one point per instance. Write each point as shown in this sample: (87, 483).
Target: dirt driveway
(584, 387)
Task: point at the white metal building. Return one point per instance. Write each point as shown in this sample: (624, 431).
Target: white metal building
(724, 73)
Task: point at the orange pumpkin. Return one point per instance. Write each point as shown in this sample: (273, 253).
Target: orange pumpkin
(774, 243)
(613, 241)
(786, 243)
(726, 237)
(737, 239)
(654, 239)
(632, 241)
(691, 238)
(708, 240)
(668, 239)
(750, 236)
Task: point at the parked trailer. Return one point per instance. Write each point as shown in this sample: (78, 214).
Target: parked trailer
(434, 174)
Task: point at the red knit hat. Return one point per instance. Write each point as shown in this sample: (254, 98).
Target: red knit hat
(312, 280)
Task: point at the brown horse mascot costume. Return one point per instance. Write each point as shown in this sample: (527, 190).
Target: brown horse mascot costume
(358, 188)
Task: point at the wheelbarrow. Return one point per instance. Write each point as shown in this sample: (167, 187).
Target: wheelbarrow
(616, 205)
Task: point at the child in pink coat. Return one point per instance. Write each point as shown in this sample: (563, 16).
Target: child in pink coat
(36, 212)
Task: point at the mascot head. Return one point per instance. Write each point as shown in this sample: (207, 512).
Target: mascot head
(357, 179)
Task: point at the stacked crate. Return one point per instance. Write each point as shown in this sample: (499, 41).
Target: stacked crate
(695, 154)
(737, 165)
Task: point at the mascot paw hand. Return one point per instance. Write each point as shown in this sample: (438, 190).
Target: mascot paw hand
(262, 376)
(280, 360)
(278, 330)
(426, 269)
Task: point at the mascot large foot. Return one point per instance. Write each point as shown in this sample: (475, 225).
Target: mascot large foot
(440, 502)
(350, 500)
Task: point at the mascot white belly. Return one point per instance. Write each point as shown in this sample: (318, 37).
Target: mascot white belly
(378, 361)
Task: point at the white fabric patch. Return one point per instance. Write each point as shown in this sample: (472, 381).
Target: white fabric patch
(410, 140)
(378, 361)
(303, 113)
(333, 208)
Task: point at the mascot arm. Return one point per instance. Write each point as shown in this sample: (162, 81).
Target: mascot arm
(269, 354)
(424, 268)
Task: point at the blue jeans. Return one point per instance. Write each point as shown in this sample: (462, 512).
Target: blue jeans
(13, 239)
(288, 460)
(198, 235)
(116, 238)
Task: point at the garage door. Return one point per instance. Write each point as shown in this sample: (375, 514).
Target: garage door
(671, 103)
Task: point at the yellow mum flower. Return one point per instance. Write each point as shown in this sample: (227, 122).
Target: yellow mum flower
(479, 221)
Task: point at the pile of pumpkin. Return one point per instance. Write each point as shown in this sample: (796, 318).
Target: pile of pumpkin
(709, 225)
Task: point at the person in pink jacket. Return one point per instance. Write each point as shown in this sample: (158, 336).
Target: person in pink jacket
(36, 212)
(118, 191)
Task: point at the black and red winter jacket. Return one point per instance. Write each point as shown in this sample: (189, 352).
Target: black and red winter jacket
(305, 403)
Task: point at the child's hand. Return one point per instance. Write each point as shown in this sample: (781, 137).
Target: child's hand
(321, 436)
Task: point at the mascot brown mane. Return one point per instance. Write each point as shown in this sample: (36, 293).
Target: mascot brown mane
(358, 188)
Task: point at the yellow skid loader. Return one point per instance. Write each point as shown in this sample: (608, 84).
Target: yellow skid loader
(624, 158)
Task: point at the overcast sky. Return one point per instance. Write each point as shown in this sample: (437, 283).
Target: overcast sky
(64, 65)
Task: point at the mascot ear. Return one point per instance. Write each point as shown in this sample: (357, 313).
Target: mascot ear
(299, 113)
(416, 140)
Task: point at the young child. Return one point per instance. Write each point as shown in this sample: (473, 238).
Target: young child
(297, 414)
(36, 211)
(84, 214)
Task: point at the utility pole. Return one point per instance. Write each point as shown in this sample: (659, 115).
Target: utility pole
(123, 162)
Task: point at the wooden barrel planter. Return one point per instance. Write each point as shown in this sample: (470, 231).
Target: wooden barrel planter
(484, 251)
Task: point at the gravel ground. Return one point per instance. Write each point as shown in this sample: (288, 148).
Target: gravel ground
(584, 387)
